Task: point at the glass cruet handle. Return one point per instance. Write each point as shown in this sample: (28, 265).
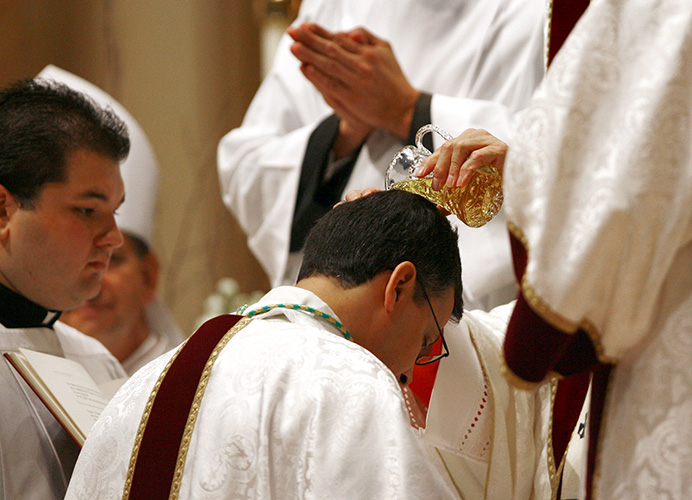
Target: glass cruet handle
(430, 128)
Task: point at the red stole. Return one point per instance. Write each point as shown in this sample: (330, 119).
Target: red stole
(533, 348)
(153, 465)
(424, 377)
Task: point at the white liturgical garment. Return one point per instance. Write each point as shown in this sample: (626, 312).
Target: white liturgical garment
(481, 61)
(291, 410)
(36, 454)
(488, 437)
(598, 185)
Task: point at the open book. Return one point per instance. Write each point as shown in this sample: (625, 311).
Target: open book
(65, 387)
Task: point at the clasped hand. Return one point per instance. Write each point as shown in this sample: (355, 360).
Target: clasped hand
(360, 79)
(358, 76)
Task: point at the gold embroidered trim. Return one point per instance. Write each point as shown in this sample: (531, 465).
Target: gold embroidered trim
(513, 379)
(547, 33)
(191, 419)
(551, 454)
(549, 315)
(194, 410)
(143, 424)
(553, 471)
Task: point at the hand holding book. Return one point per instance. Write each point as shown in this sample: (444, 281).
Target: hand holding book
(66, 389)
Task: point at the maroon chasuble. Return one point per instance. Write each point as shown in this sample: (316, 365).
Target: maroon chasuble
(532, 355)
(571, 390)
(564, 16)
(158, 452)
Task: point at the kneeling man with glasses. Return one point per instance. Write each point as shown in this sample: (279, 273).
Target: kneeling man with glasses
(298, 395)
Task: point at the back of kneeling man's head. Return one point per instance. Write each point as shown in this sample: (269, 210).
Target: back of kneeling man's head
(357, 240)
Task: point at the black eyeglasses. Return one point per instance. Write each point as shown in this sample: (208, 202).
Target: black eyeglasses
(426, 359)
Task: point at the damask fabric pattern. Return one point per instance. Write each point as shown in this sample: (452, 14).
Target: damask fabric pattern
(36, 455)
(292, 410)
(599, 186)
(480, 60)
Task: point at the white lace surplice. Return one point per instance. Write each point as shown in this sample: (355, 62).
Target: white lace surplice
(292, 410)
(599, 182)
(486, 435)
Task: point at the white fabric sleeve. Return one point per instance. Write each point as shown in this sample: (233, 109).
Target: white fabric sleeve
(259, 163)
(599, 182)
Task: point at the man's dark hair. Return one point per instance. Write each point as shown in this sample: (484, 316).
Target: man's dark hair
(357, 240)
(41, 123)
(140, 246)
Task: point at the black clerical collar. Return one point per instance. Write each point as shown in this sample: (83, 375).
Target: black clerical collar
(19, 312)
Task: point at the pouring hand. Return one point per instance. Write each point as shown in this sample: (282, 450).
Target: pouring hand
(455, 161)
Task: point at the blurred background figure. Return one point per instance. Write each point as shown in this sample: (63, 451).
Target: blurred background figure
(126, 316)
(187, 71)
(351, 84)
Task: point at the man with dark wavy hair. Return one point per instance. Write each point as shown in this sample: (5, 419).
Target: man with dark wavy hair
(60, 185)
(302, 400)
(126, 316)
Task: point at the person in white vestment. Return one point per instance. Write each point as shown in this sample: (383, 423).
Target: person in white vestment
(466, 64)
(59, 187)
(483, 435)
(126, 316)
(304, 401)
(488, 439)
(598, 184)
(599, 190)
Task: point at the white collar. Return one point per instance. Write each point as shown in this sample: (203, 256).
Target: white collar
(294, 295)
